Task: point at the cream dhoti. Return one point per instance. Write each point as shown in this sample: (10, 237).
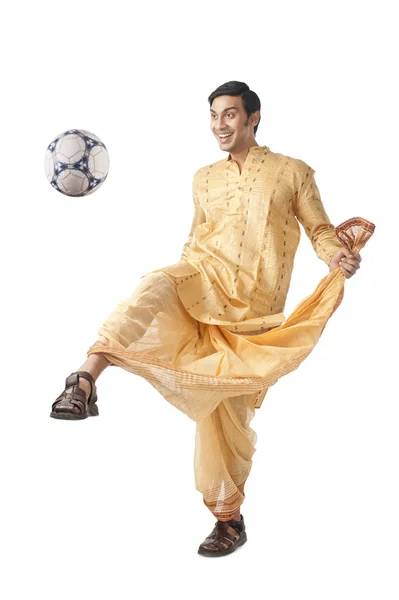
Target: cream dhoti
(215, 375)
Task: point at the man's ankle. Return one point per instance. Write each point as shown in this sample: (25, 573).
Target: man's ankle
(85, 385)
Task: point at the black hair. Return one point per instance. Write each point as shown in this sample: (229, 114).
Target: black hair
(250, 100)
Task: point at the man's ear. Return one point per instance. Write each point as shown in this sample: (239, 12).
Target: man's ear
(255, 117)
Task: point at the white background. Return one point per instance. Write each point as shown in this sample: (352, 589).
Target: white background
(80, 500)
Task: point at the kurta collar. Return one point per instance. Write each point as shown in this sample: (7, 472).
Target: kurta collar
(252, 150)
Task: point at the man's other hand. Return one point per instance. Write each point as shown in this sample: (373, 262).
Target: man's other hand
(347, 261)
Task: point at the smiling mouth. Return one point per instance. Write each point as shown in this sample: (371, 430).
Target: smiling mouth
(223, 138)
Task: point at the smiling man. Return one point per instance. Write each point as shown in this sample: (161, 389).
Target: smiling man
(234, 273)
(235, 128)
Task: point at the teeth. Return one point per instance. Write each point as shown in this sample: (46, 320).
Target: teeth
(224, 134)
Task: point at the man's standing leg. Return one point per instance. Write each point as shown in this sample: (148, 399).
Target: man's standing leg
(224, 447)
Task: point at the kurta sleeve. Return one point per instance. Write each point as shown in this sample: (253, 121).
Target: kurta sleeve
(198, 218)
(311, 213)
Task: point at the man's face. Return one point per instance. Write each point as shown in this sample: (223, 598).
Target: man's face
(229, 117)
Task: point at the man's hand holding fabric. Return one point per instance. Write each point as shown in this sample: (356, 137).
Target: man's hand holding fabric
(347, 261)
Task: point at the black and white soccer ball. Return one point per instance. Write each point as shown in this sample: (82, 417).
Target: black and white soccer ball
(76, 162)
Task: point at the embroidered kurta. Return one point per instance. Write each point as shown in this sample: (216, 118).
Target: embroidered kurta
(210, 327)
(236, 265)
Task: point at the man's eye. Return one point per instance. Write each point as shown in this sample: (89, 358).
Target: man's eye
(228, 114)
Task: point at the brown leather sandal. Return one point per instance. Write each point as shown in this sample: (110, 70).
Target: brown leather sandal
(221, 538)
(73, 395)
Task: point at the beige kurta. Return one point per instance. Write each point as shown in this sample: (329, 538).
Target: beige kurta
(236, 266)
(211, 326)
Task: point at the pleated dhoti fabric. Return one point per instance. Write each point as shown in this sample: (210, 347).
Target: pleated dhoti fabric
(153, 322)
(216, 376)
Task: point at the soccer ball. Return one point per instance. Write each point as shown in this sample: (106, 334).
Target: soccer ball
(76, 162)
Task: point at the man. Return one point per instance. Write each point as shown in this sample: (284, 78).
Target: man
(187, 327)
